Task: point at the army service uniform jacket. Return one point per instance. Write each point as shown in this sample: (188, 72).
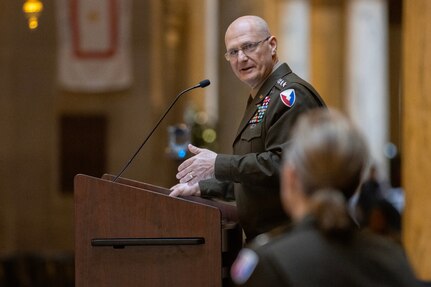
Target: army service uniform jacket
(304, 257)
(253, 169)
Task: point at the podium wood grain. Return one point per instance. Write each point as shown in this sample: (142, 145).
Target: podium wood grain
(104, 209)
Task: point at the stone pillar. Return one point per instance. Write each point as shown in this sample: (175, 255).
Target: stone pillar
(416, 134)
(156, 49)
(293, 36)
(367, 80)
(211, 60)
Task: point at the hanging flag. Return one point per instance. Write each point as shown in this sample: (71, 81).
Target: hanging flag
(93, 46)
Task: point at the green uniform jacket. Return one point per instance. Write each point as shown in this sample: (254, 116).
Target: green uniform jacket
(305, 257)
(253, 169)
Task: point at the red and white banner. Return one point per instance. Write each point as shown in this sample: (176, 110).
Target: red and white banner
(93, 46)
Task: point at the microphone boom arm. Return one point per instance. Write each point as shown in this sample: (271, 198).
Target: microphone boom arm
(202, 84)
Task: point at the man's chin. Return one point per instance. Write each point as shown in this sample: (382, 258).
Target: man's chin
(249, 80)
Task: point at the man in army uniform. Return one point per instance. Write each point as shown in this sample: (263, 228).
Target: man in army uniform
(277, 98)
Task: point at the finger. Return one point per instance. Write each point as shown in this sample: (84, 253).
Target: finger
(175, 186)
(173, 193)
(186, 163)
(193, 181)
(194, 149)
(184, 174)
(176, 192)
(186, 178)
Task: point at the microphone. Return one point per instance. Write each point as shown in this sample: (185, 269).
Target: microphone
(201, 84)
(204, 83)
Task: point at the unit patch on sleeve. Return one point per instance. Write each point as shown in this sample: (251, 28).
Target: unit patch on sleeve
(288, 97)
(261, 110)
(244, 266)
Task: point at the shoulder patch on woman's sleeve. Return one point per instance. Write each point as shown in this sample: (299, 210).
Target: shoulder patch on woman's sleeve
(288, 97)
(244, 266)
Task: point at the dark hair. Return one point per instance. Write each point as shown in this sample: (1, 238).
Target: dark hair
(329, 155)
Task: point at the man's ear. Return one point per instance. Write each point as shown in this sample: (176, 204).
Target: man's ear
(273, 44)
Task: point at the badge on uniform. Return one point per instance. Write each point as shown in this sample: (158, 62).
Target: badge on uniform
(244, 266)
(261, 110)
(288, 97)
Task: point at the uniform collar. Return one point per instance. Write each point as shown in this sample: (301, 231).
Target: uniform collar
(279, 71)
(254, 91)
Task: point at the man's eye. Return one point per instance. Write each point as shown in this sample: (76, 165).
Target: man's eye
(233, 52)
(247, 47)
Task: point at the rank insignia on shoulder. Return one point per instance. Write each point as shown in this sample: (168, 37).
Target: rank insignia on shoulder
(288, 97)
(244, 266)
(281, 83)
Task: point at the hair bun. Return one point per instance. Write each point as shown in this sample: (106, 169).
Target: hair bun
(329, 208)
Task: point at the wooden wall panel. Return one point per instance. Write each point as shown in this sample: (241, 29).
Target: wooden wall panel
(416, 167)
(82, 147)
(326, 48)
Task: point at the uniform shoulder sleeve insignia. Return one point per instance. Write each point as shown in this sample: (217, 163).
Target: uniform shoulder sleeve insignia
(288, 97)
(244, 265)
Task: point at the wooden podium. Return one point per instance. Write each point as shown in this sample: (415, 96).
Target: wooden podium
(128, 233)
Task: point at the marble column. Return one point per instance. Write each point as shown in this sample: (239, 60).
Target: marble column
(367, 80)
(293, 35)
(211, 60)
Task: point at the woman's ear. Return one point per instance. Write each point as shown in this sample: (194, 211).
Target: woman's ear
(288, 183)
(292, 195)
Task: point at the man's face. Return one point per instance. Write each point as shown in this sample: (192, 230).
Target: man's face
(250, 67)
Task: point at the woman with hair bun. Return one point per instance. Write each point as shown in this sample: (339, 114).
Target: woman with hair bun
(322, 169)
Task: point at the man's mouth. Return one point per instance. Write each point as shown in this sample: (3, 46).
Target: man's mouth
(246, 69)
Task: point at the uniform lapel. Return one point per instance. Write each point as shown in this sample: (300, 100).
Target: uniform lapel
(248, 114)
(261, 94)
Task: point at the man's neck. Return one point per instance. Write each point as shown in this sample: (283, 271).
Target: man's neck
(254, 91)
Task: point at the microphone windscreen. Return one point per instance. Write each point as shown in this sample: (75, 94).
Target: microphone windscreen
(204, 83)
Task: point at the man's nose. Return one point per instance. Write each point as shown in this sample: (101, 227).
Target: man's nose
(242, 55)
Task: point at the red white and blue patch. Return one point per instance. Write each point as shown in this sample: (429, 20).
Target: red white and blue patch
(288, 97)
(244, 266)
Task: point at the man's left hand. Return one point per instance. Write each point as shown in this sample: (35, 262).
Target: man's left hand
(184, 189)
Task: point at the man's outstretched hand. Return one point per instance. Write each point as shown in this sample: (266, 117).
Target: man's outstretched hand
(198, 167)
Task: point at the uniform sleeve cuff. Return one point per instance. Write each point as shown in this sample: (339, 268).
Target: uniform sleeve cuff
(222, 168)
